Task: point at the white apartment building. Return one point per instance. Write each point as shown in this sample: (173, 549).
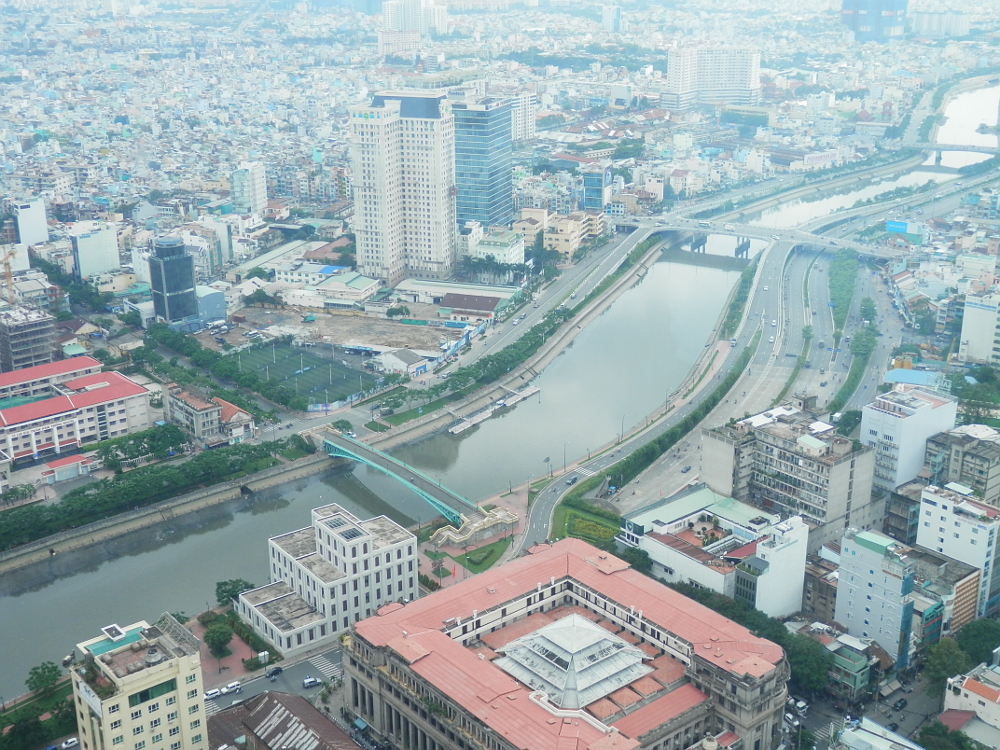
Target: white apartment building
(872, 591)
(523, 109)
(980, 343)
(790, 460)
(249, 188)
(422, 16)
(403, 160)
(703, 75)
(95, 249)
(715, 542)
(329, 575)
(940, 24)
(32, 227)
(952, 521)
(302, 273)
(139, 687)
(897, 425)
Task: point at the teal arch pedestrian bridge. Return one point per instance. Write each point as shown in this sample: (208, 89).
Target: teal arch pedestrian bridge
(452, 506)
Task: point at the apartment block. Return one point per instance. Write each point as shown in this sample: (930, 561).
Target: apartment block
(27, 338)
(32, 226)
(566, 646)
(954, 522)
(789, 460)
(249, 188)
(872, 594)
(139, 687)
(709, 74)
(874, 20)
(902, 512)
(968, 455)
(980, 339)
(565, 234)
(701, 538)
(329, 575)
(897, 425)
(95, 249)
(403, 161)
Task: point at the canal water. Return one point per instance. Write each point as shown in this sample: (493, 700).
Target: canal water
(617, 370)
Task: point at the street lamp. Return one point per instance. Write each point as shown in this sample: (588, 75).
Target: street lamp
(622, 432)
(564, 455)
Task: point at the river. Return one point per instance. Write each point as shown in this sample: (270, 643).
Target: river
(618, 370)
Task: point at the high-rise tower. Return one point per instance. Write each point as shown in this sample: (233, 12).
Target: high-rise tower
(874, 20)
(483, 161)
(249, 188)
(403, 158)
(171, 276)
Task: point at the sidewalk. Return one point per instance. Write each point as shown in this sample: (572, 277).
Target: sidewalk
(218, 672)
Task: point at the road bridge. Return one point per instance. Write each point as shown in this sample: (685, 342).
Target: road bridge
(955, 147)
(452, 506)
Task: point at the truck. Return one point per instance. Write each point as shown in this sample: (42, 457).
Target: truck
(309, 318)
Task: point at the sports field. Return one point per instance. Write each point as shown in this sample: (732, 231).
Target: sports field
(317, 378)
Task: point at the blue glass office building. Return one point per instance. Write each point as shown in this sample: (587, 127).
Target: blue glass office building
(483, 161)
(874, 20)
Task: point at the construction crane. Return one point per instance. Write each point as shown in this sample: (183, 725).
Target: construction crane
(8, 276)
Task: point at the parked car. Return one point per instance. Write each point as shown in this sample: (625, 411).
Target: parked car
(212, 694)
(273, 672)
(892, 726)
(309, 682)
(71, 742)
(232, 687)
(899, 705)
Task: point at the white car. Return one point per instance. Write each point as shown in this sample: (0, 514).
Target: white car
(212, 694)
(765, 287)
(71, 742)
(775, 236)
(309, 682)
(232, 687)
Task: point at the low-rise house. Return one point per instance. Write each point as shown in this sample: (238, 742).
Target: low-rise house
(210, 421)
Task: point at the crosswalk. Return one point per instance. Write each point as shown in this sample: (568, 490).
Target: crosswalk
(329, 670)
(586, 472)
(827, 732)
(212, 707)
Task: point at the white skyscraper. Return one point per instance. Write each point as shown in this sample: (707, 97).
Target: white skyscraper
(403, 159)
(708, 75)
(249, 188)
(95, 249)
(32, 228)
(421, 16)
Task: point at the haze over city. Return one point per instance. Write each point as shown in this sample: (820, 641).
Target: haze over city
(439, 374)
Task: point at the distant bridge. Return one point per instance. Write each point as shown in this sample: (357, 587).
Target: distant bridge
(954, 147)
(444, 501)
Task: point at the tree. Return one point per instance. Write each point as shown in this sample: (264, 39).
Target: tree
(978, 639)
(868, 309)
(637, 558)
(343, 425)
(810, 663)
(43, 678)
(936, 736)
(258, 273)
(226, 591)
(131, 318)
(802, 740)
(945, 659)
(397, 312)
(25, 732)
(217, 636)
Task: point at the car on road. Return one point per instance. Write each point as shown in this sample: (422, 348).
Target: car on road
(822, 384)
(765, 287)
(899, 705)
(273, 672)
(212, 694)
(771, 340)
(232, 687)
(892, 726)
(71, 742)
(775, 236)
(774, 324)
(685, 470)
(572, 480)
(310, 681)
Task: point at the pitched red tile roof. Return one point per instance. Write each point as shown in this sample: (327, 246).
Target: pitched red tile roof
(660, 711)
(955, 720)
(49, 370)
(229, 410)
(104, 387)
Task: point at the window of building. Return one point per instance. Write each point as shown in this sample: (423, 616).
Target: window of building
(138, 729)
(192, 694)
(152, 708)
(113, 708)
(116, 724)
(190, 678)
(137, 713)
(118, 740)
(171, 700)
(196, 723)
(156, 738)
(193, 709)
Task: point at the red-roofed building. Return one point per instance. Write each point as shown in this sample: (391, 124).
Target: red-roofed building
(417, 676)
(977, 692)
(69, 410)
(211, 421)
